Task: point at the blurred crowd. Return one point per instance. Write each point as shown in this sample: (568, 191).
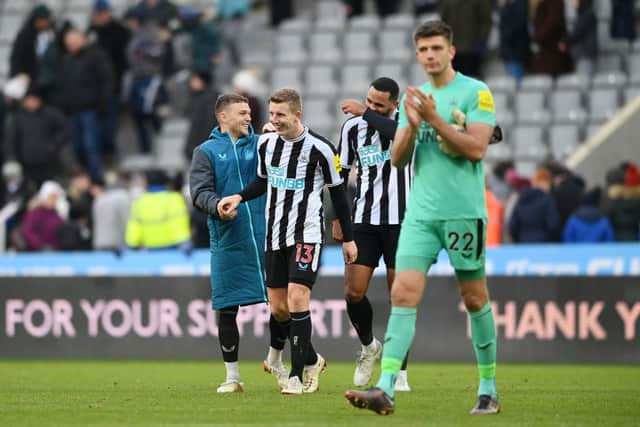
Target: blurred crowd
(554, 205)
(69, 87)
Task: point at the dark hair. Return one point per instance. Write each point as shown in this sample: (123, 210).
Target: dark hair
(432, 29)
(385, 84)
(227, 99)
(290, 96)
(156, 177)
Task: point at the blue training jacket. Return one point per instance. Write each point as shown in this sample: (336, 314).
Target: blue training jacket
(221, 168)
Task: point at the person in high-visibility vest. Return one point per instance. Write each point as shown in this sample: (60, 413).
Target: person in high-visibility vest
(159, 218)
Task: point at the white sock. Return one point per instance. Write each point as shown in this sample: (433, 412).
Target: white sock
(274, 356)
(233, 371)
(403, 375)
(371, 347)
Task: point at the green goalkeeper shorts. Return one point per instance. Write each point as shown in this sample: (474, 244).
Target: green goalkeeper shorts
(463, 239)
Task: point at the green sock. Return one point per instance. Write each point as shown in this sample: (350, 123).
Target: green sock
(483, 335)
(400, 331)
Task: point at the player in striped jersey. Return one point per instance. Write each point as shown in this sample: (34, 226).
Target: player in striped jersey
(294, 165)
(379, 205)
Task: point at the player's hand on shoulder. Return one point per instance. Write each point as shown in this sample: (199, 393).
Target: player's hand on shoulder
(350, 252)
(353, 106)
(268, 127)
(336, 230)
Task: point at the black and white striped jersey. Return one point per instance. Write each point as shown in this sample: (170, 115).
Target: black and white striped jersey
(296, 172)
(382, 190)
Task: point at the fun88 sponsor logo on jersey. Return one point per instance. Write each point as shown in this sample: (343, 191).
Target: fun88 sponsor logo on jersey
(277, 179)
(372, 155)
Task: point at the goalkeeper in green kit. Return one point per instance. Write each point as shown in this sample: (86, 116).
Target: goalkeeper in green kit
(446, 211)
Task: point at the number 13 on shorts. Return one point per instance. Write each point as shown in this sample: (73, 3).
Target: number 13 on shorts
(307, 254)
(465, 243)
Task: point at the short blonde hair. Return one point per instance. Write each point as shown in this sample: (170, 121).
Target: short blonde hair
(288, 95)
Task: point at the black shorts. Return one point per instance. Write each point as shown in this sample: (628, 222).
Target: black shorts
(294, 264)
(374, 241)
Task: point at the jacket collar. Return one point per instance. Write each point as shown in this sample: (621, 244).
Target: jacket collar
(216, 134)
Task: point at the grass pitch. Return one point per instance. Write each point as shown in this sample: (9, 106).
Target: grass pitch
(183, 393)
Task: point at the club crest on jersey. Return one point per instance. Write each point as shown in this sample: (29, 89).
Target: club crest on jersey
(372, 155)
(304, 157)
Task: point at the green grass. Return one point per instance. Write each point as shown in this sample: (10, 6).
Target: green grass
(183, 393)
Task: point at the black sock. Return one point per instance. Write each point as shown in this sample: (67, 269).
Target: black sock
(361, 316)
(228, 334)
(404, 362)
(300, 337)
(312, 356)
(279, 332)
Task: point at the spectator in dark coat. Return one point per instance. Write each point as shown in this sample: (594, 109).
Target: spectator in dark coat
(582, 41)
(515, 41)
(624, 205)
(535, 217)
(31, 42)
(113, 38)
(471, 24)
(567, 191)
(86, 87)
(383, 7)
(201, 112)
(145, 54)
(164, 14)
(588, 224)
(549, 30)
(623, 23)
(38, 133)
(41, 223)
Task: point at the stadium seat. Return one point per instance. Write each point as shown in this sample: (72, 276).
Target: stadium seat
(631, 93)
(564, 140)
(354, 80)
(330, 10)
(505, 118)
(493, 66)
(526, 168)
(316, 113)
(528, 103)
(330, 24)
(320, 81)
(566, 106)
(633, 67)
(324, 48)
(359, 47)
(576, 81)
(295, 25)
(9, 26)
(290, 48)
(399, 21)
(501, 83)
(365, 23)
(394, 45)
(394, 71)
(609, 80)
(529, 144)
(501, 101)
(536, 83)
(499, 152)
(603, 104)
(592, 129)
(286, 77)
(609, 63)
(77, 6)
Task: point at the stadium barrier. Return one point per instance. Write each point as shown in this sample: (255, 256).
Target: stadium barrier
(539, 319)
(620, 259)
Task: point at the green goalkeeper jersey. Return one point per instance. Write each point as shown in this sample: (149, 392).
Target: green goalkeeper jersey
(447, 188)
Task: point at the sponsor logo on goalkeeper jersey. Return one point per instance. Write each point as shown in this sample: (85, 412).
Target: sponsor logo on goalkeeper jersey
(372, 155)
(425, 134)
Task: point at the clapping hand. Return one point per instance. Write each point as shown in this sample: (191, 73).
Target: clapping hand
(424, 105)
